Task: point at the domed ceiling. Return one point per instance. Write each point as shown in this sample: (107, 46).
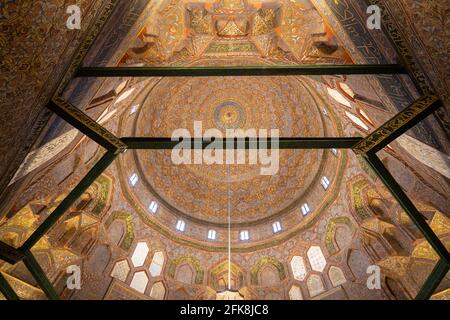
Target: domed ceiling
(200, 193)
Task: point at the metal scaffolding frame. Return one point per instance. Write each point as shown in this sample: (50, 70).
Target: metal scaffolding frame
(366, 147)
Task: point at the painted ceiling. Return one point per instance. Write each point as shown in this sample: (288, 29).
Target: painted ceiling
(202, 194)
(281, 31)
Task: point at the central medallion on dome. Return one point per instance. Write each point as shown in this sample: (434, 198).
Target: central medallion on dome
(229, 115)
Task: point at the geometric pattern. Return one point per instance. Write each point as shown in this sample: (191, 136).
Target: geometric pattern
(139, 282)
(295, 293)
(298, 268)
(140, 254)
(316, 259)
(157, 264)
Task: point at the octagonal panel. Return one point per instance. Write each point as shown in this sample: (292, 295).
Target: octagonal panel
(316, 259)
(298, 268)
(140, 254)
(336, 275)
(315, 285)
(121, 270)
(295, 293)
(158, 291)
(157, 264)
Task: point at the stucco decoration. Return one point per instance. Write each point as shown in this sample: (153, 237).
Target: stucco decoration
(358, 199)
(265, 261)
(331, 229)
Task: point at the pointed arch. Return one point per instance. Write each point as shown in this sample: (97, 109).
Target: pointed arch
(264, 262)
(330, 233)
(126, 218)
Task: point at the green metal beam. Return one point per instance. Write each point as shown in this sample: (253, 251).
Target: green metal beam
(82, 186)
(6, 289)
(9, 253)
(399, 124)
(288, 70)
(39, 275)
(437, 275)
(243, 143)
(414, 214)
(86, 125)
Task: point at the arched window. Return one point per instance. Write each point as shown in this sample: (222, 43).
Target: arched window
(276, 227)
(298, 268)
(212, 234)
(325, 182)
(244, 235)
(305, 209)
(140, 254)
(295, 293)
(158, 291)
(316, 259)
(139, 282)
(157, 264)
(181, 225)
(336, 276)
(153, 207)
(106, 115)
(315, 285)
(121, 87)
(124, 95)
(357, 121)
(346, 90)
(121, 270)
